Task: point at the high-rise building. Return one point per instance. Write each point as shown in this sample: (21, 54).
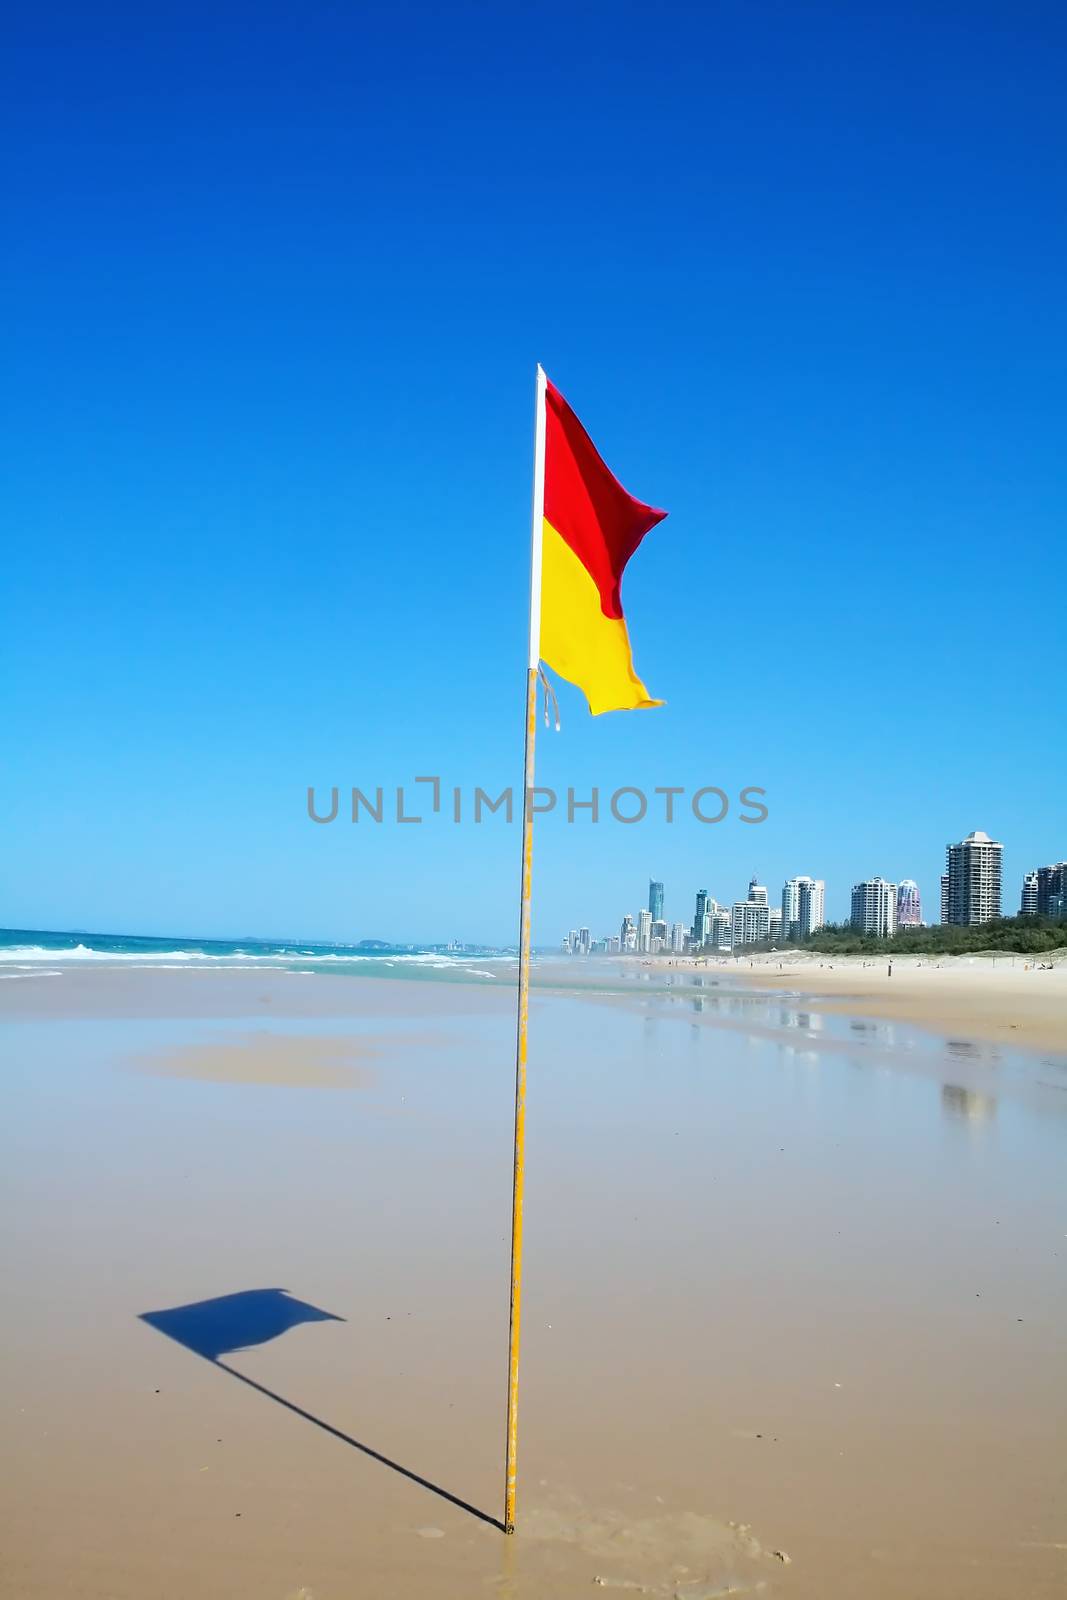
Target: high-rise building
(1050, 885)
(774, 924)
(644, 931)
(973, 890)
(750, 920)
(679, 934)
(655, 900)
(1028, 901)
(708, 922)
(944, 897)
(627, 935)
(874, 906)
(803, 907)
(659, 931)
(791, 909)
(583, 941)
(909, 904)
(750, 923)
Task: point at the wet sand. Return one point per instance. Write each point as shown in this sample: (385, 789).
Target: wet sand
(1014, 1001)
(267, 1058)
(795, 1297)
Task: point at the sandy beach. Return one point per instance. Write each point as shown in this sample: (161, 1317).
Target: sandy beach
(795, 1300)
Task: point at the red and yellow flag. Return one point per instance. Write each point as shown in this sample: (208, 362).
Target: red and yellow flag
(591, 528)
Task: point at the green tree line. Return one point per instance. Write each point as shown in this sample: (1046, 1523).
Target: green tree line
(1030, 936)
(1021, 935)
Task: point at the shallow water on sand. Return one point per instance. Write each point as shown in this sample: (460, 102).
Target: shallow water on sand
(794, 1303)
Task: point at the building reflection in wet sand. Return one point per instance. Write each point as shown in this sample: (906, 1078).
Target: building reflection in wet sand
(970, 1104)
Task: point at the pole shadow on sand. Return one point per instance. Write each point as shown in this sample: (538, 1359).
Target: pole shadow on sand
(232, 1322)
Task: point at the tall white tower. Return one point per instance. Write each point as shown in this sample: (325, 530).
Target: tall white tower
(973, 888)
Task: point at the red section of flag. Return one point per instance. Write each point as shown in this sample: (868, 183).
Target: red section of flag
(588, 506)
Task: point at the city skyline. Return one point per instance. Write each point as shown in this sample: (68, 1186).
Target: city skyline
(971, 892)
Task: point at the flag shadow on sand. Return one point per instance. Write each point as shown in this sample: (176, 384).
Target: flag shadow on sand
(232, 1322)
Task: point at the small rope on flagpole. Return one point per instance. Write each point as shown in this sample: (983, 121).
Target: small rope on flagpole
(548, 691)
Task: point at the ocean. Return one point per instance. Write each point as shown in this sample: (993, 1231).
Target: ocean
(25, 950)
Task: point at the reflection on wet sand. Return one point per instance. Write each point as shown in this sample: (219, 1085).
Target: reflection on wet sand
(804, 1037)
(967, 1103)
(799, 1021)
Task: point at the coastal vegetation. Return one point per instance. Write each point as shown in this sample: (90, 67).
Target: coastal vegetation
(1031, 936)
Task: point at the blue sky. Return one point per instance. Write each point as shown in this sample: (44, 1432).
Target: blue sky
(277, 283)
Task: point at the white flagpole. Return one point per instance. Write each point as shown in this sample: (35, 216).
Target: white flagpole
(524, 952)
